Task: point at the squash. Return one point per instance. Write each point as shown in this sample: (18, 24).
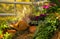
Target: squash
(20, 25)
(32, 29)
(11, 31)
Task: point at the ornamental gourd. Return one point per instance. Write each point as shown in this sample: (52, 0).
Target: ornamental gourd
(32, 29)
(20, 25)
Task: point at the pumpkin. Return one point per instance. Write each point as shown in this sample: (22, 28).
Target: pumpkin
(32, 29)
(11, 31)
(20, 25)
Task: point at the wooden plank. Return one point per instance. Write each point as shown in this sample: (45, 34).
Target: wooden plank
(7, 14)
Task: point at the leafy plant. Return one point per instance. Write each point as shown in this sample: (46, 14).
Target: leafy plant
(1, 32)
(45, 29)
(56, 2)
(7, 36)
(3, 25)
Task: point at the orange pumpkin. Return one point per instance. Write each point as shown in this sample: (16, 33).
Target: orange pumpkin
(20, 25)
(32, 29)
(11, 31)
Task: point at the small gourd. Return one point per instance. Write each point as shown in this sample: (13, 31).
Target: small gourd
(32, 29)
(20, 25)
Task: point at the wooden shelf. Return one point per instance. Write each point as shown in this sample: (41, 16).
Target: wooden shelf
(7, 14)
(27, 3)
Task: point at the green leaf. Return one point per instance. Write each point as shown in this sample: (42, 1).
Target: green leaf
(1, 32)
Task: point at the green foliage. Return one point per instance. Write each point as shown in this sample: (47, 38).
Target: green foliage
(46, 28)
(56, 2)
(3, 25)
(7, 36)
(53, 9)
(1, 32)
